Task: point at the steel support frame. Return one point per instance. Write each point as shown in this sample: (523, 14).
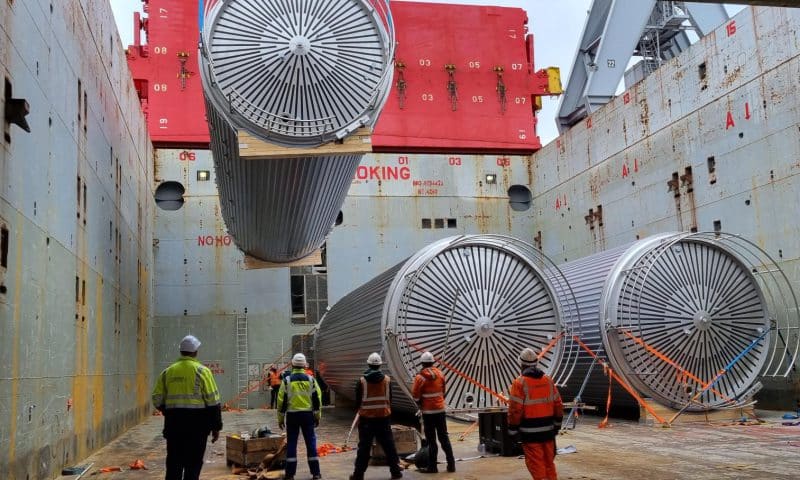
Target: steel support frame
(613, 32)
(610, 36)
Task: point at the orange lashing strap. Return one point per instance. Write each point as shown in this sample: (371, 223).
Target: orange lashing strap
(463, 375)
(604, 423)
(621, 382)
(550, 345)
(674, 364)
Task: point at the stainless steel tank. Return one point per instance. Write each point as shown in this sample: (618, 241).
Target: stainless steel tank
(297, 74)
(669, 312)
(474, 301)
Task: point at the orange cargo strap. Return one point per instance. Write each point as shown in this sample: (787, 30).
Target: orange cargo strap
(673, 364)
(463, 375)
(550, 345)
(621, 382)
(469, 430)
(604, 423)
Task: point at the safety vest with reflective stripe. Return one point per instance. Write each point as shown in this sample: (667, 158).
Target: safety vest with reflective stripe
(299, 392)
(535, 408)
(185, 384)
(429, 390)
(375, 399)
(274, 379)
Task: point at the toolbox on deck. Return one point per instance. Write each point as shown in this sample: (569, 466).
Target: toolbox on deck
(250, 452)
(493, 430)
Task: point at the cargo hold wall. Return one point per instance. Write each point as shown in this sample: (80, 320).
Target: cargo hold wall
(76, 213)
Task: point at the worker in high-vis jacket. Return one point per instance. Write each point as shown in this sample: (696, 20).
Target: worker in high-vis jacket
(187, 395)
(429, 391)
(299, 409)
(373, 401)
(535, 413)
(274, 385)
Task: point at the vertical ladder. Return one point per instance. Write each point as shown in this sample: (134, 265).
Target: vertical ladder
(241, 360)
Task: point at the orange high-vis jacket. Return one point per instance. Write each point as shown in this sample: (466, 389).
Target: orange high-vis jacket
(375, 399)
(429, 390)
(534, 407)
(274, 379)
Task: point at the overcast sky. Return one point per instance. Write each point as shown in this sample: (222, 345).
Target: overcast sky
(557, 27)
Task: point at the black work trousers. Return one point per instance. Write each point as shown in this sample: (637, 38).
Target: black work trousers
(435, 425)
(379, 429)
(273, 401)
(185, 455)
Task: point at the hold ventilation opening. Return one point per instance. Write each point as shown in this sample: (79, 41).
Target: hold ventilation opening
(519, 198)
(169, 196)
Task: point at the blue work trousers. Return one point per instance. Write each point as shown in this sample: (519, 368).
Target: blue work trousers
(296, 421)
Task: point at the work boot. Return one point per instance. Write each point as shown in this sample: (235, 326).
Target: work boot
(451, 467)
(397, 475)
(357, 476)
(429, 470)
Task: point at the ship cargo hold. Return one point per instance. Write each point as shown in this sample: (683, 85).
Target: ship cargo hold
(112, 249)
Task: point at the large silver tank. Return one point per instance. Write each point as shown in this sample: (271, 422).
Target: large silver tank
(696, 301)
(297, 74)
(474, 301)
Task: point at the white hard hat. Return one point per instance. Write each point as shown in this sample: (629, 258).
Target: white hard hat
(299, 360)
(190, 344)
(426, 357)
(374, 359)
(528, 357)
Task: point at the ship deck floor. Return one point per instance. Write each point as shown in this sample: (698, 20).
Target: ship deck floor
(624, 450)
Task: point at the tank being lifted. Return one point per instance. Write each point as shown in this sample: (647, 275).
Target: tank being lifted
(297, 74)
(672, 311)
(474, 301)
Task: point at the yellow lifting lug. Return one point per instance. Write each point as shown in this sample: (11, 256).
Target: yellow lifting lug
(554, 81)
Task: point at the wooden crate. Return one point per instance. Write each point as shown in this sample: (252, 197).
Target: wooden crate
(250, 452)
(405, 441)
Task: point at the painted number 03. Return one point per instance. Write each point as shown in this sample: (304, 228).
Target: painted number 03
(427, 97)
(454, 161)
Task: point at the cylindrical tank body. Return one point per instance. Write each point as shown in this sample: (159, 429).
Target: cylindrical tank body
(667, 300)
(297, 74)
(474, 301)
